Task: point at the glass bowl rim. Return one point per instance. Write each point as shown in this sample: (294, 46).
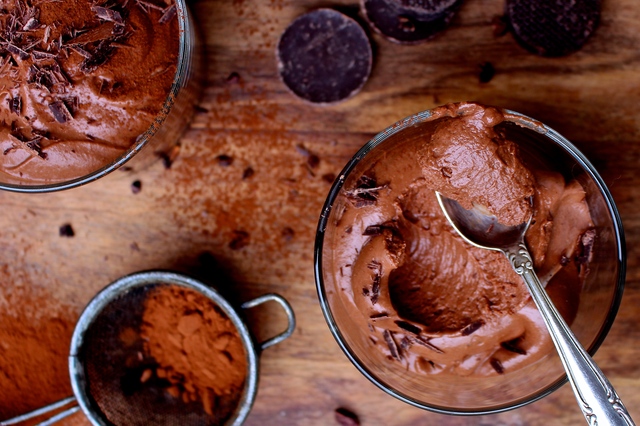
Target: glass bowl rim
(526, 122)
(186, 31)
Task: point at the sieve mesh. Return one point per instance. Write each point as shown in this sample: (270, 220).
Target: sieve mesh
(114, 360)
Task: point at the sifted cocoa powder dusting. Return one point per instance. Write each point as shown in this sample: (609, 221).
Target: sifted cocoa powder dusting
(197, 348)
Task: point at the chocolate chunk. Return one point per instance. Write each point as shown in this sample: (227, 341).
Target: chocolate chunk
(409, 21)
(366, 191)
(324, 57)
(427, 344)
(553, 27)
(345, 417)
(60, 111)
(66, 230)
(487, 71)
(472, 327)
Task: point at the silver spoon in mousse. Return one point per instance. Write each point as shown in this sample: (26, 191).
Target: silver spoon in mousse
(598, 400)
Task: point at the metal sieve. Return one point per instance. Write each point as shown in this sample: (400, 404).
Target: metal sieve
(106, 373)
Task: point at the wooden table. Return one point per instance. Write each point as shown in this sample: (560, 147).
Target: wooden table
(186, 217)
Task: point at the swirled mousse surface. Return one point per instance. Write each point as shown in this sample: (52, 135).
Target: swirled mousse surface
(425, 297)
(80, 81)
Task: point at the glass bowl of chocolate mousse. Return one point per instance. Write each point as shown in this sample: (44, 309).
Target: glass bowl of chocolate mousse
(432, 320)
(87, 85)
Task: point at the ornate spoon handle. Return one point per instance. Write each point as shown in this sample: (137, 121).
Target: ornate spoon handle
(598, 400)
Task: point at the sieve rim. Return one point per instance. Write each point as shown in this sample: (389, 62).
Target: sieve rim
(135, 280)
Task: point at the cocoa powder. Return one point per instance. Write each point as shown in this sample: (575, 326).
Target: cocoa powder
(197, 348)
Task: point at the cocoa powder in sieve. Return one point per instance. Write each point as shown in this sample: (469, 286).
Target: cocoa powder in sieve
(197, 348)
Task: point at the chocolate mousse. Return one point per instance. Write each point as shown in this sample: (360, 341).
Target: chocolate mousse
(423, 296)
(80, 82)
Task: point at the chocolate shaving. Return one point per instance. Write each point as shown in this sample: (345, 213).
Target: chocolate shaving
(374, 230)
(168, 14)
(391, 343)
(15, 105)
(585, 247)
(376, 267)
(108, 14)
(31, 24)
(365, 193)
(379, 314)
(60, 111)
(427, 344)
(514, 345)
(497, 365)
(472, 327)
(15, 50)
(408, 327)
(40, 55)
(136, 186)
(101, 55)
(99, 33)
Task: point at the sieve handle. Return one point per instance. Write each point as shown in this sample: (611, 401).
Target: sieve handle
(291, 319)
(45, 410)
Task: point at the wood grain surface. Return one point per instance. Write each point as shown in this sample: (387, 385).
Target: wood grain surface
(187, 217)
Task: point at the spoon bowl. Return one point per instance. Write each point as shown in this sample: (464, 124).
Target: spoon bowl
(599, 402)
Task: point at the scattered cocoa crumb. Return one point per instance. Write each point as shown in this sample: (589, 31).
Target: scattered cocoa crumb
(136, 186)
(234, 77)
(224, 160)
(200, 109)
(472, 327)
(239, 240)
(346, 417)
(288, 233)
(497, 365)
(487, 71)
(67, 231)
(329, 177)
(247, 173)
(564, 260)
(134, 246)
(313, 161)
(170, 156)
(15, 105)
(500, 25)
(585, 247)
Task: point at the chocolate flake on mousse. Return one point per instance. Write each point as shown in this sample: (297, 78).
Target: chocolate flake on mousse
(60, 111)
(391, 343)
(168, 14)
(424, 341)
(376, 267)
(15, 105)
(345, 417)
(497, 365)
(472, 327)
(366, 192)
(514, 345)
(408, 327)
(240, 240)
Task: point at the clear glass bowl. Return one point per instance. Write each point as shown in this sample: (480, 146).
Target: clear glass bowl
(165, 130)
(599, 300)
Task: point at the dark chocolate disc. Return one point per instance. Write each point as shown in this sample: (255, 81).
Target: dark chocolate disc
(324, 56)
(553, 27)
(409, 21)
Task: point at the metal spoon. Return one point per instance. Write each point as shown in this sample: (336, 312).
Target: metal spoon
(598, 400)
